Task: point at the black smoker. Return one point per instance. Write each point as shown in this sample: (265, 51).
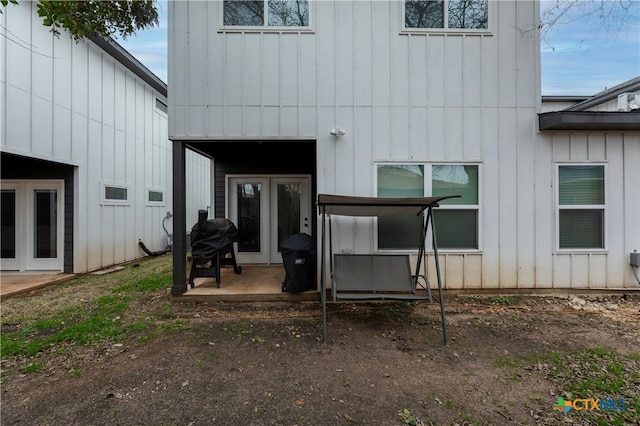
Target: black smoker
(211, 241)
(299, 259)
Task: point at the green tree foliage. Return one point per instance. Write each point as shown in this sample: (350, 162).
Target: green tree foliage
(97, 17)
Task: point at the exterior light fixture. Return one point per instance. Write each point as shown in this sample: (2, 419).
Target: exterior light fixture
(337, 132)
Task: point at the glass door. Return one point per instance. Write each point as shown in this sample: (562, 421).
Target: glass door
(290, 211)
(9, 218)
(267, 210)
(32, 226)
(45, 235)
(247, 203)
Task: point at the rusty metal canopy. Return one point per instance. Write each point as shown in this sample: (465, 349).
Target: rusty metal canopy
(343, 205)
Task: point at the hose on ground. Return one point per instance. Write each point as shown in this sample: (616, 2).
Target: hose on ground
(149, 252)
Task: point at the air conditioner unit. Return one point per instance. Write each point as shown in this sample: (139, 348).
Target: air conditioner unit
(629, 102)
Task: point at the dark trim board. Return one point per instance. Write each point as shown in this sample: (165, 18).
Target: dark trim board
(179, 219)
(590, 121)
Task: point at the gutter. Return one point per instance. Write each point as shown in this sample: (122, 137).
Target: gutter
(589, 121)
(111, 47)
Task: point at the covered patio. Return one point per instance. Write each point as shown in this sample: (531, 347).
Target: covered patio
(256, 283)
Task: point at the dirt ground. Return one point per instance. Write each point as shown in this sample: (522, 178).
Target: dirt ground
(383, 364)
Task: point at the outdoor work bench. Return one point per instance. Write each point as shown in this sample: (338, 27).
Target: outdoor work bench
(378, 276)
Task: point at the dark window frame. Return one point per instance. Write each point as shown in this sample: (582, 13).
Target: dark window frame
(265, 13)
(436, 16)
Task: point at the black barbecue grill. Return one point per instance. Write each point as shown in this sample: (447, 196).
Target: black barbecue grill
(212, 247)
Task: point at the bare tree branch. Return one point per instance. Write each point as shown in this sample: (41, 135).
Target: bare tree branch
(608, 15)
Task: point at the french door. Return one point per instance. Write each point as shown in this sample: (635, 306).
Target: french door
(32, 236)
(267, 210)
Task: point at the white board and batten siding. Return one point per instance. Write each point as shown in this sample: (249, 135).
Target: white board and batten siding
(74, 104)
(198, 192)
(401, 97)
(619, 152)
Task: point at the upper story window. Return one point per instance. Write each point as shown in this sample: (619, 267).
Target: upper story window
(446, 14)
(266, 13)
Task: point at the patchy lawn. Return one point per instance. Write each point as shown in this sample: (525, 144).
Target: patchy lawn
(117, 349)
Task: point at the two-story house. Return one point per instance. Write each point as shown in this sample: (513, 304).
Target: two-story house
(401, 98)
(86, 162)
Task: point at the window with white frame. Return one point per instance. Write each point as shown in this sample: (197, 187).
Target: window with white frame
(446, 14)
(160, 105)
(115, 194)
(456, 220)
(581, 206)
(155, 196)
(266, 13)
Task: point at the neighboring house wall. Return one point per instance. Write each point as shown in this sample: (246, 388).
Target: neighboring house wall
(557, 103)
(74, 105)
(403, 97)
(609, 106)
(199, 196)
(619, 153)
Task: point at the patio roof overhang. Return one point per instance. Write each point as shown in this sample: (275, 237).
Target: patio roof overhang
(589, 121)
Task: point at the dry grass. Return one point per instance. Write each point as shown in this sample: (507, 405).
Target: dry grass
(80, 291)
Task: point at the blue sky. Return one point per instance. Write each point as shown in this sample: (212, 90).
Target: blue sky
(579, 55)
(586, 55)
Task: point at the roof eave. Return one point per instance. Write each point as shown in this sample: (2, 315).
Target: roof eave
(121, 55)
(589, 121)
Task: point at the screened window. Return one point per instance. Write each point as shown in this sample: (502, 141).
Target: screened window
(581, 206)
(266, 13)
(446, 14)
(456, 220)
